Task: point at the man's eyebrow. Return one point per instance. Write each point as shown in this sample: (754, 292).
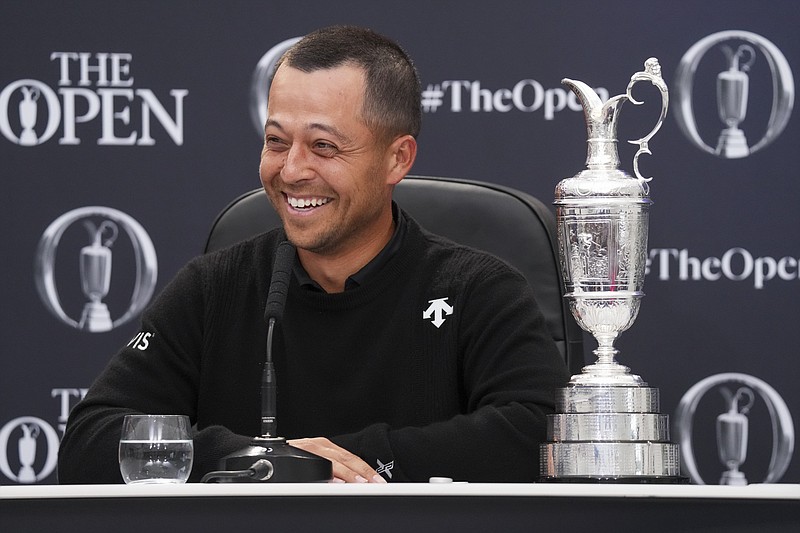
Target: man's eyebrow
(327, 128)
(274, 123)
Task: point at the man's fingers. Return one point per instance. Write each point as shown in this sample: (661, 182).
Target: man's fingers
(346, 465)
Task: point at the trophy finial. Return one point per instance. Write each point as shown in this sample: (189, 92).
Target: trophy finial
(652, 67)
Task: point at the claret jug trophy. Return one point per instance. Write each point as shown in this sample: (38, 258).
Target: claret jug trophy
(607, 426)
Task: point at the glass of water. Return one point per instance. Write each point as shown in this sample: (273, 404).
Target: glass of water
(155, 449)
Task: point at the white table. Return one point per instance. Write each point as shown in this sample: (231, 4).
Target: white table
(400, 507)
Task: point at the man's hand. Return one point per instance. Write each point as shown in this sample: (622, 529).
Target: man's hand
(347, 467)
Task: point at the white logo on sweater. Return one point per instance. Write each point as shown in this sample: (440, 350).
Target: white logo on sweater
(385, 468)
(437, 310)
(141, 341)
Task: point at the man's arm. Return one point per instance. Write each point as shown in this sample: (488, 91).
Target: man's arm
(510, 370)
(160, 376)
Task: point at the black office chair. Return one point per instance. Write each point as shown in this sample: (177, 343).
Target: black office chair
(505, 222)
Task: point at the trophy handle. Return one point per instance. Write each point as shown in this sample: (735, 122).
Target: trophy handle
(735, 57)
(96, 232)
(30, 93)
(651, 73)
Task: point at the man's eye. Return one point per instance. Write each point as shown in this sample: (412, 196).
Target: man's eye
(325, 148)
(274, 143)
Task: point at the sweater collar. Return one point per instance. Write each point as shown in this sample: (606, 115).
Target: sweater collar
(370, 269)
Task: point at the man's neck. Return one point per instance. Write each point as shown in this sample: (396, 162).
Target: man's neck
(331, 270)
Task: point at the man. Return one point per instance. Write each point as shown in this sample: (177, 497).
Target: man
(365, 380)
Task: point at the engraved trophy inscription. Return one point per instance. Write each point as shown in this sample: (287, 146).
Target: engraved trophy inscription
(607, 425)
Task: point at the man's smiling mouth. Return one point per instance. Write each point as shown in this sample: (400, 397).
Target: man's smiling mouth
(306, 203)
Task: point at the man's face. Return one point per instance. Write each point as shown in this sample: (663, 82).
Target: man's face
(322, 168)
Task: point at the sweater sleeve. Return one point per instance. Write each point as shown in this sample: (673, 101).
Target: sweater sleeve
(509, 371)
(156, 373)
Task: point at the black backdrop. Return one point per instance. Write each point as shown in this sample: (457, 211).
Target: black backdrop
(145, 108)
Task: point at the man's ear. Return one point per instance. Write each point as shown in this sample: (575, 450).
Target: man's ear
(401, 153)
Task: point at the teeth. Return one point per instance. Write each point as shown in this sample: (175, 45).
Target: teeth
(302, 203)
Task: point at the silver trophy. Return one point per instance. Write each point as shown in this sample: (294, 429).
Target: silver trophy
(607, 425)
(732, 95)
(95, 269)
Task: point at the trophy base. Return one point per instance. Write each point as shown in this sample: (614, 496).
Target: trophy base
(608, 427)
(95, 318)
(610, 460)
(609, 434)
(734, 478)
(620, 480)
(27, 138)
(732, 144)
(579, 399)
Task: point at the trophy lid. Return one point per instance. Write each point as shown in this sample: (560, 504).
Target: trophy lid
(603, 178)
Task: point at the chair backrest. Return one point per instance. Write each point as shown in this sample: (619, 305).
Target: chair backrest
(508, 223)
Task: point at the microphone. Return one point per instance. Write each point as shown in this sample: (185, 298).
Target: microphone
(279, 283)
(269, 458)
(273, 312)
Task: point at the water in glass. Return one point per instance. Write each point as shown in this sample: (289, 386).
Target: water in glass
(164, 461)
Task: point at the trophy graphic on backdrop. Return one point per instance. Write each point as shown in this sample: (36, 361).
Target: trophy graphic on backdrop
(732, 94)
(27, 452)
(607, 425)
(95, 268)
(732, 432)
(732, 426)
(27, 115)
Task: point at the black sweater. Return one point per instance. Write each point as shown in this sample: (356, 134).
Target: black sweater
(367, 368)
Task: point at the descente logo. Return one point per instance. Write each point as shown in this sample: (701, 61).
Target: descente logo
(97, 86)
(736, 264)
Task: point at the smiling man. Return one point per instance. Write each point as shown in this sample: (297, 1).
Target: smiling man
(329, 174)
(401, 355)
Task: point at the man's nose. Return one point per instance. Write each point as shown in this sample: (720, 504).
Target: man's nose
(297, 165)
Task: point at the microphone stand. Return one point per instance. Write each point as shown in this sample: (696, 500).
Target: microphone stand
(269, 458)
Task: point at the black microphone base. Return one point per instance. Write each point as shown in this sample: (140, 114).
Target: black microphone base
(289, 464)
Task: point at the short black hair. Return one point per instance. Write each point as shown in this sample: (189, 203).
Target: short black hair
(392, 93)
